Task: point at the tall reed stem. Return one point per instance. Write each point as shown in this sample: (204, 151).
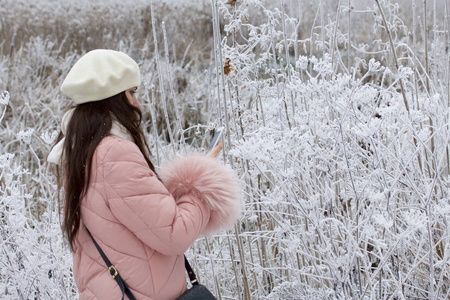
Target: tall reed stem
(220, 75)
(161, 80)
(172, 90)
(333, 40)
(391, 42)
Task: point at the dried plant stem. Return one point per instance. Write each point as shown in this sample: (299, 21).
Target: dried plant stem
(243, 262)
(217, 287)
(151, 102)
(333, 40)
(161, 80)
(288, 61)
(10, 62)
(172, 90)
(413, 61)
(219, 73)
(258, 101)
(275, 73)
(11, 47)
(425, 35)
(427, 71)
(311, 44)
(322, 26)
(435, 38)
(430, 253)
(391, 42)
(239, 109)
(252, 261)
(447, 25)
(358, 205)
(296, 43)
(3, 114)
(235, 268)
(447, 42)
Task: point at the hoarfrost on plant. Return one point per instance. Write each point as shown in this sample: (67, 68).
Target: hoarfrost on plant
(375, 66)
(49, 137)
(6, 159)
(302, 62)
(383, 221)
(4, 98)
(25, 135)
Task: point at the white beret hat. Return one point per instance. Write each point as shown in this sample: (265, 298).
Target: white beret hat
(100, 74)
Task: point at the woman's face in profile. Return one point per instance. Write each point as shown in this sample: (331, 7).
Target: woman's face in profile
(131, 96)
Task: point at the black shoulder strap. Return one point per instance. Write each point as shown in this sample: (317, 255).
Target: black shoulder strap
(113, 272)
(122, 285)
(192, 277)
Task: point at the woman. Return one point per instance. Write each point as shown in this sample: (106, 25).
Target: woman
(142, 221)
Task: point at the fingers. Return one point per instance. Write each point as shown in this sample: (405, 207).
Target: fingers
(214, 152)
(218, 148)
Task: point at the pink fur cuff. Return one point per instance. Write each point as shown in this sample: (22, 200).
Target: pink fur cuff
(208, 180)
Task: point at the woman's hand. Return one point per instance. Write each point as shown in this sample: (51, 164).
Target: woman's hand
(214, 152)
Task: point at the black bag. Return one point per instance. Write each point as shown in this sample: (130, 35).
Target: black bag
(198, 291)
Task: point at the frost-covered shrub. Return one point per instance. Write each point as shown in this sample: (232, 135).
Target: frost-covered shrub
(35, 262)
(342, 150)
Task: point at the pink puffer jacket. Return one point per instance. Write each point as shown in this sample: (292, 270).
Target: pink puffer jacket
(145, 226)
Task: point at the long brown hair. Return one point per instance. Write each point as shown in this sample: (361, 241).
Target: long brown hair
(89, 124)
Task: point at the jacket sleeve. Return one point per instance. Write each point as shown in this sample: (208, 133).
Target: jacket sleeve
(140, 201)
(169, 217)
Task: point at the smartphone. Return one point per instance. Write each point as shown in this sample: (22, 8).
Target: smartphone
(215, 139)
